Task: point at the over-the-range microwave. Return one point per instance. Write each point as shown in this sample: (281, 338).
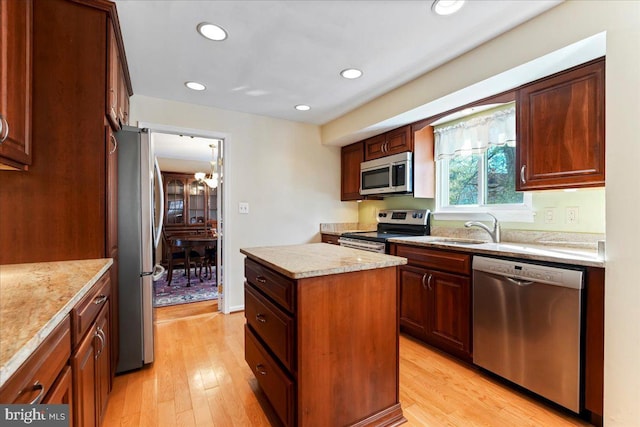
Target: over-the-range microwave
(387, 175)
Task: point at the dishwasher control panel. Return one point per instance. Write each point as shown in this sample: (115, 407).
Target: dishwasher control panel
(531, 272)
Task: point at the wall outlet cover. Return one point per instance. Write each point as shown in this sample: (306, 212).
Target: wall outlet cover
(243, 207)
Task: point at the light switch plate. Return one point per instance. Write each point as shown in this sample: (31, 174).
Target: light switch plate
(243, 207)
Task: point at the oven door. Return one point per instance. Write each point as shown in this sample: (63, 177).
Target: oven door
(365, 245)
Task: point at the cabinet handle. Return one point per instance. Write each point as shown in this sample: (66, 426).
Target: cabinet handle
(98, 334)
(5, 127)
(38, 399)
(114, 142)
(99, 299)
(522, 178)
(424, 278)
(261, 279)
(260, 369)
(429, 282)
(261, 318)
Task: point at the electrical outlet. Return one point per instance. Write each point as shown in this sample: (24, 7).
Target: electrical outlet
(549, 215)
(572, 215)
(243, 207)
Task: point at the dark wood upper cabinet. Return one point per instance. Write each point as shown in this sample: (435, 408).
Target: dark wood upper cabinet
(351, 157)
(560, 128)
(392, 142)
(15, 83)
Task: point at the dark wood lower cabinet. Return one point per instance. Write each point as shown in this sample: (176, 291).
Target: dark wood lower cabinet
(435, 305)
(325, 349)
(83, 364)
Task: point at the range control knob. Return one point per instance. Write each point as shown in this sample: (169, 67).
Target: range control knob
(415, 215)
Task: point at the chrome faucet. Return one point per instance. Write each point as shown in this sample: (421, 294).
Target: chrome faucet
(495, 233)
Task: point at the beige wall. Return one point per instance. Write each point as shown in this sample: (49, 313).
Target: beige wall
(559, 27)
(291, 181)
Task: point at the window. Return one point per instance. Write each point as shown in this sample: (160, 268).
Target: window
(475, 165)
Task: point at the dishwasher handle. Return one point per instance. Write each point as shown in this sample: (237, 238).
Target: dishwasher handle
(519, 282)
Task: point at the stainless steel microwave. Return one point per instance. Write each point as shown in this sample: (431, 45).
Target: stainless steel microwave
(387, 175)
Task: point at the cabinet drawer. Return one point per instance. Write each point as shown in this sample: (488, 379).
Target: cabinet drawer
(34, 379)
(271, 324)
(86, 311)
(272, 284)
(454, 262)
(276, 385)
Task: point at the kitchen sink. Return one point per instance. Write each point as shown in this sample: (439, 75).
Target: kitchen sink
(459, 242)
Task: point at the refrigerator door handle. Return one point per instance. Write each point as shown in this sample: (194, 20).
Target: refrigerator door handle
(146, 273)
(160, 186)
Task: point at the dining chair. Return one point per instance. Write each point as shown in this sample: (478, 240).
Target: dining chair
(177, 257)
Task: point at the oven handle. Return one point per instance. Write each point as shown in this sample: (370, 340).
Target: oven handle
(366, 246)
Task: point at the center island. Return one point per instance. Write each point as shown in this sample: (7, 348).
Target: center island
(322, 333)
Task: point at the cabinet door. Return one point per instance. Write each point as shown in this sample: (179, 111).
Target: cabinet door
(398, 141)
(62, 392)
(15, 83)
(560, 127)
(197, 202)
(83, 364)
(413, 302)
(212, 204)
(449, 312)
(374, 147)
(103, 362)
(113, 76)
(351, 157)
(174, 193)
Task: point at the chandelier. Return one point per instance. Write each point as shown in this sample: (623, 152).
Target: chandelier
(212, 179)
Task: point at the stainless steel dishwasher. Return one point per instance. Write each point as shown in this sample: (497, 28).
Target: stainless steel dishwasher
(526, 326)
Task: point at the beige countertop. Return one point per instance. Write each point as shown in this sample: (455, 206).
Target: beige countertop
(573, 256)
(319, 259)
(34, 299)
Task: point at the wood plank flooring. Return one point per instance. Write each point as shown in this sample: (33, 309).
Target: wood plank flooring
(200, 378)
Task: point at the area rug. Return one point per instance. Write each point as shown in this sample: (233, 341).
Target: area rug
(179, 293)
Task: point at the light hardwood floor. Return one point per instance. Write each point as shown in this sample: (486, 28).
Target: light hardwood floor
(200, 378)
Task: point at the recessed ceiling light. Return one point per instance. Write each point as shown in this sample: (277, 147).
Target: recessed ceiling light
(302, 107)
(447, 7)
(212, 31)
(195, 86)
(351, 73)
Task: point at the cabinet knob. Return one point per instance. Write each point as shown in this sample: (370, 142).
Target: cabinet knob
(522, 178)
(4, 126)
(261, 318)
(261, 369)
(261, 279)
(99, 299)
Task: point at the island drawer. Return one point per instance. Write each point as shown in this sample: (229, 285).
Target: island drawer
(32, 382)
(454, 262)
(86, 311)
(272, 284)
(275, 383)
(271, 324)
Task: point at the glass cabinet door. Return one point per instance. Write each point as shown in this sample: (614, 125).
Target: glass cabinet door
(175, 202)
(196, 202)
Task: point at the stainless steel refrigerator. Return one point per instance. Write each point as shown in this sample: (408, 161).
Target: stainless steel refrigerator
(138, 233)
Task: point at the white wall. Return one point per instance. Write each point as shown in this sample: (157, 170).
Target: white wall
(290, 180)
(566, 24)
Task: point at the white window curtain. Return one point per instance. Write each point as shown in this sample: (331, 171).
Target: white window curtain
(476, 134)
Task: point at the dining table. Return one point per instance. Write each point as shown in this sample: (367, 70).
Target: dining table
(190, 243)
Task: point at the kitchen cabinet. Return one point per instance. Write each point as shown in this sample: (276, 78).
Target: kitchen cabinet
(351, 156)
(43, 377)
(560, 128)
(330, 238)
(312, 368)
(594, 345)
(424, 165)
(15, 83)
(392, 142)
(91, 359)
(435, 298)
(117, 96)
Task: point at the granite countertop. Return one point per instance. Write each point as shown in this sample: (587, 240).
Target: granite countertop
(34, 299)
(567, 255)
(319, 259)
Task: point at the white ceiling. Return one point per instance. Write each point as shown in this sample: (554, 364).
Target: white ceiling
(282, 53)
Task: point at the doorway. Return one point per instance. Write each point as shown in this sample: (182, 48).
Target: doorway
(191, 206)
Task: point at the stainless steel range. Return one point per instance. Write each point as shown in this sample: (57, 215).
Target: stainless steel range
(391, 223)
